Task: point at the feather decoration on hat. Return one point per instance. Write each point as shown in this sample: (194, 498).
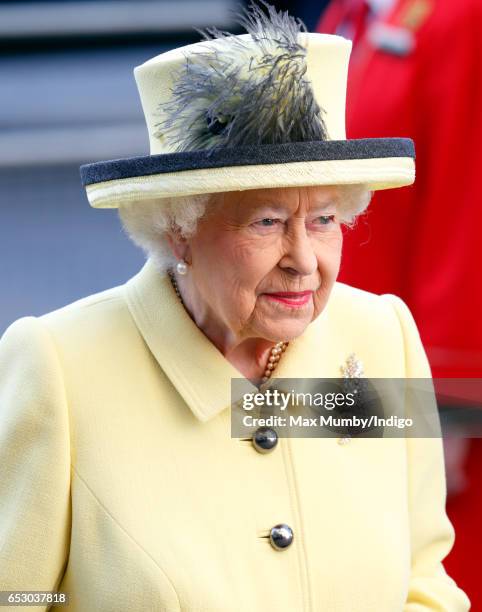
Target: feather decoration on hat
(236, 93)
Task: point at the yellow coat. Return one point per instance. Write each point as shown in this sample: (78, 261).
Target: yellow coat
(120, 483)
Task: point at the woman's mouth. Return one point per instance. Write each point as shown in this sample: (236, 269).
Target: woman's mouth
(290, 298)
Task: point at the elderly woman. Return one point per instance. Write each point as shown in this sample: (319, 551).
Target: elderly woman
(121, 487)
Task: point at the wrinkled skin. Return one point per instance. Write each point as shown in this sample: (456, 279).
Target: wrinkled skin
(255, 242)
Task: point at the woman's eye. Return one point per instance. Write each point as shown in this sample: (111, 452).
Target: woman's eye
(268, 222)
(326, 219)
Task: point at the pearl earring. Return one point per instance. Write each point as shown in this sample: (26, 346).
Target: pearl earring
(181, 267)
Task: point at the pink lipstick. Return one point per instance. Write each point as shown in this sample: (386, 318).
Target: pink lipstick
(291, 298)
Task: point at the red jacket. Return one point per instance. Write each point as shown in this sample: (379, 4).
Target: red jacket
(422, 242)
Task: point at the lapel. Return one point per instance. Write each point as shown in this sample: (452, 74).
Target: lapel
(195, 367)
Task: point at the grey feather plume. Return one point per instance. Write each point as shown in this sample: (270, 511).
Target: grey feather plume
(237, 94)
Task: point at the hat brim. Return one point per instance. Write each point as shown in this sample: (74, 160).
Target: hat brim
(379, 163)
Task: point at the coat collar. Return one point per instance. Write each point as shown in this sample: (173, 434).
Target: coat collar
(197, 369)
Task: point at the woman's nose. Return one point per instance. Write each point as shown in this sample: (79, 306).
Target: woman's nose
(298, 253)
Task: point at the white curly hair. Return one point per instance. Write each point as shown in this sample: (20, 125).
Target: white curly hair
(148, 223)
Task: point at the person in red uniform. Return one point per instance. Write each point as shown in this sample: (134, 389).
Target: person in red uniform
(416, 71)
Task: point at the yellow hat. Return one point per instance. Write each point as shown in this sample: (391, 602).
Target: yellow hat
(257, 110)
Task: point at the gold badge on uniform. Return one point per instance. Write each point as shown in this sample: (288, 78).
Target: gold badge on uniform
(399, 38)
(415, 13)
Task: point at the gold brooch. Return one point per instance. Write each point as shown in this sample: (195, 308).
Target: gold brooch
(353, 367)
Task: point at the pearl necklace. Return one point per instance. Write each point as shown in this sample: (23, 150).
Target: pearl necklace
(275, 354)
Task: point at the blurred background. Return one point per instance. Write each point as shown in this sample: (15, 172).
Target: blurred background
(68, 97)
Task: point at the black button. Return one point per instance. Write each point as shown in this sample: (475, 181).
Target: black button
(265, 439)
(281, 536)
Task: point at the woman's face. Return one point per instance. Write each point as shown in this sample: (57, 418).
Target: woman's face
(263, 262)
